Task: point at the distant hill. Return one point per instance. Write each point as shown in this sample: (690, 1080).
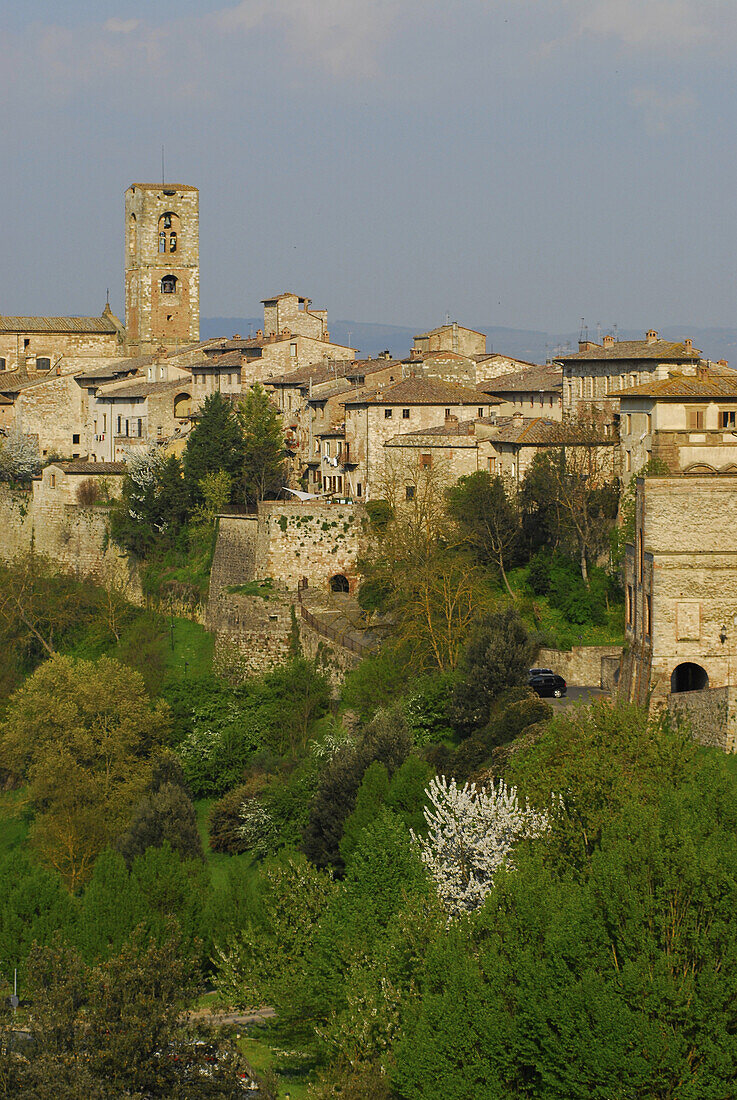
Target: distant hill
(529, 344)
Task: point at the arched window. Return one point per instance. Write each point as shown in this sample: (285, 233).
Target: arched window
(169, 284)
(168, 229)
(182, 404)
(688, 677)
(43, 363)
(339, 583)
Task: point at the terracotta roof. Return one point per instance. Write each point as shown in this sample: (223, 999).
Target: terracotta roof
(317, 373)
(165, 186)
(540, 432)
(215, 362)
(634, 349)
(84, 467)
(460, 433)
(423, 391)
(444, 328)
(285, 294)
(58, 324)
(538, 378)
(485, 356)
(139, 387)
(112, 370)
(706, 384)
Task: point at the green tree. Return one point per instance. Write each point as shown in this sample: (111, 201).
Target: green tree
(215, 443)
(116, 1029)
(480, 506)
(264, 469)
(81, 733)
(497, 657)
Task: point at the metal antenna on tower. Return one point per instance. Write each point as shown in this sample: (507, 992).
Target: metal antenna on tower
(582, 328)
(162, 166)
(598, 332)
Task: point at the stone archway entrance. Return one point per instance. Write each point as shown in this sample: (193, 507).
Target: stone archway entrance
(339, 583)
(688, 677)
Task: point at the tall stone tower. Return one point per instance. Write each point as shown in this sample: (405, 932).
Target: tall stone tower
(162, 266)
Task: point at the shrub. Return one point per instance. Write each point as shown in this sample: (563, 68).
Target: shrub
(225, 819)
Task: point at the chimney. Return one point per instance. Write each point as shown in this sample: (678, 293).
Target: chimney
(259, 334)
(517, 420)
(722, 362)
(236, 336)
(586, 345)
(608, 341)
(688, 345)
(651, 336)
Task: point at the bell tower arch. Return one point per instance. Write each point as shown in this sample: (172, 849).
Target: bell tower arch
(162, 266)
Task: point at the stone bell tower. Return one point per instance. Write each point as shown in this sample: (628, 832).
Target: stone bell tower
(162, 267)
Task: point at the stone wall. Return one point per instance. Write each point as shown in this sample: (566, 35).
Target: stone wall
(580, 666)
(73, 537)
(711, 714)
(312, 540)
(252, 633)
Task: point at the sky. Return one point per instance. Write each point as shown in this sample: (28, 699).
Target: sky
(524, 163)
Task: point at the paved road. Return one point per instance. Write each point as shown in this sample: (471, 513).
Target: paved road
(578, 695)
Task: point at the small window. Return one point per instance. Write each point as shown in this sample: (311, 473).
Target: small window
(53, 481)
(359, 489)
(409, 492)
(2, 364)
(628, 424)
(26, 343)
(648, 609)
(405, 414)
(75, 440)
(120, 425)
(447, 414)
(292, 350)
(43, 363)
(492, 464)
(327, 448)
(172, 242)
(481, 412)
(425, 462)
(695, 419)
(162, 242)
(728, 418)
(628, 461)
(648, 423)
(169, 284)
(387, 414)
(139, 433)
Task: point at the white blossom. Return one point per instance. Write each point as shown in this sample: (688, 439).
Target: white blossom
(19, 459)
(472, 832)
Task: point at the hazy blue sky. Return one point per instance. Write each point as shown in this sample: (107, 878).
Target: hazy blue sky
(516, 162)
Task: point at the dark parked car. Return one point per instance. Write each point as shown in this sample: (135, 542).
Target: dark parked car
(547, 683)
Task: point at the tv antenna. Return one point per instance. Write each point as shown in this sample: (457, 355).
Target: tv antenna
(162, 166)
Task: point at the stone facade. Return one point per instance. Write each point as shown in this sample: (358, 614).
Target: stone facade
(34, 347)
(162, 266)
(75, 537)
(140, 413)
(680, 593)
(291, 313)
(450, 337)
(594, 374)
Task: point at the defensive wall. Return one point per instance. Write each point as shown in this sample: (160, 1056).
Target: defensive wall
(73, 537)
(293, 545)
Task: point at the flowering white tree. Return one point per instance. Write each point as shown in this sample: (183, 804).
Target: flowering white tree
(144, 470)
(19, 459)
(472, 832)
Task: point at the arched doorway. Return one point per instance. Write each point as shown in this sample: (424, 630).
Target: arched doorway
(688, 677)
(339, 583)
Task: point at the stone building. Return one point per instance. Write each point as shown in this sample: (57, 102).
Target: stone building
(291, 313)
(162, 266)
(534, 392)
(681, 602)
(594, 374)
(495, 365)
(140, 412)
(687, 421)
(501, 445)
(449, 337)
(36, 347)
(373, 416)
